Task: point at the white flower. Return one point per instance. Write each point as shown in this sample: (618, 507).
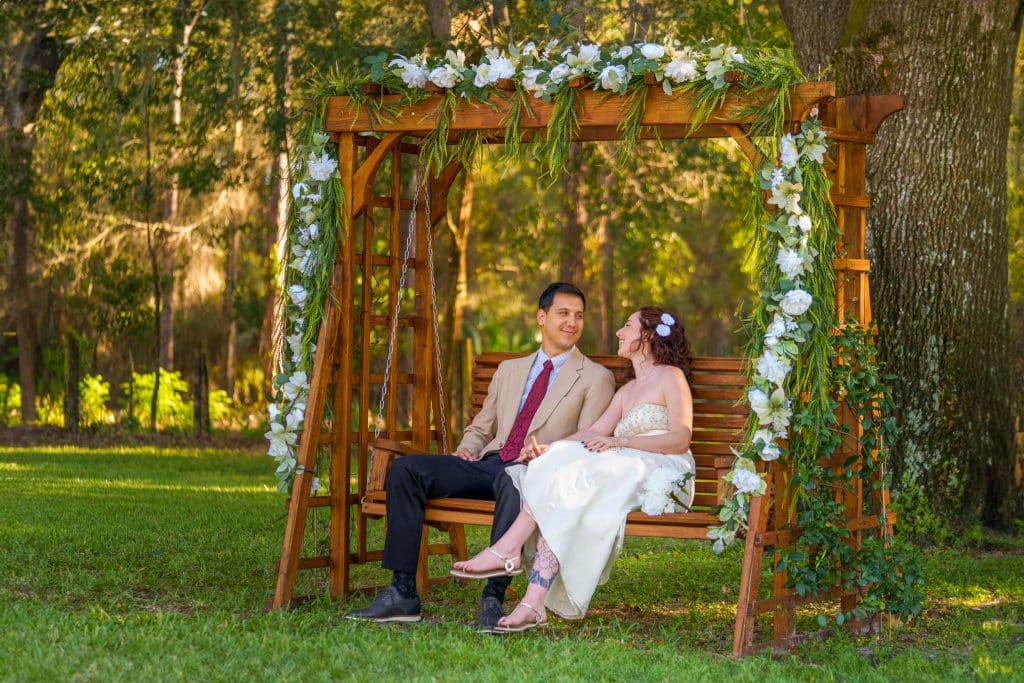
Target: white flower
(747, 481)
(296, 384)
(777, 328)
(652, 50)
(280, 439)
(314, 486)
(313, 197)
(773, 367)
(559, 73)
(312, 231)
(790, 262)
(613, 77)
(485, 75)
(456, 59)
(773, 410)
(786, 196)
(445, 76)
(298, 294)
(413, 74)
(802, 221)
(771, 452)
(530, 83)
(777, 177)
(587, 56)
(502, 67)
(788, 153)
(295, 343)
(656, 494)
(796, 302)
(294, 418)
(764, 436)
(623, 52)
(530, 50)
(668, 319)
(321, 168)
(681, 70)
(663, 330)
(299, 189)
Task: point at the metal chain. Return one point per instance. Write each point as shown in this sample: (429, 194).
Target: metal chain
(392, 337)
(437, 340)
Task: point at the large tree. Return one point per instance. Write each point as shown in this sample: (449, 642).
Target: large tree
(938, 235)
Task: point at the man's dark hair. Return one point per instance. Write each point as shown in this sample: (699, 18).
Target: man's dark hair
(548, 297)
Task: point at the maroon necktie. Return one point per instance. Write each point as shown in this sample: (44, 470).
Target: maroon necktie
(517, 437)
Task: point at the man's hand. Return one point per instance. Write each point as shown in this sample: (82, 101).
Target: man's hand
(466, 454)
(531, 450)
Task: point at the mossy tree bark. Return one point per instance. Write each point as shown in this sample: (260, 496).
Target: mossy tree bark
(938, 237)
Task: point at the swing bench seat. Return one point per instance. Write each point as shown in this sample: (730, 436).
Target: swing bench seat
(718, 422)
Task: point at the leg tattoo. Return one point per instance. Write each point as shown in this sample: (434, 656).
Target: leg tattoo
(545, 565)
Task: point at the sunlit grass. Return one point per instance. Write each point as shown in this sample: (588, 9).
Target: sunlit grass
(139, 563)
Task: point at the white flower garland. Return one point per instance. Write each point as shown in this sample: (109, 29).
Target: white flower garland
(788, 329)
(311, 252)
(543, 70)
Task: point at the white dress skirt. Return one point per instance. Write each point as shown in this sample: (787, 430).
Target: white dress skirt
(580, 500)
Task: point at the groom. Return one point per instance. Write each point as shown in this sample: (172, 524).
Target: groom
(553, 393)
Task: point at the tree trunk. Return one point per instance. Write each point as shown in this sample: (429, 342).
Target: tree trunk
(457, 308)
(72, 374)
(34, 59)
(605, 235)
(439, 14)
(574, 215)
(938, 221)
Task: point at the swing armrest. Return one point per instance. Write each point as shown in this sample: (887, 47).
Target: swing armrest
(384, 453)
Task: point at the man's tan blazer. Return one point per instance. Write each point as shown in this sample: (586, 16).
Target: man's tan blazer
(580, 393)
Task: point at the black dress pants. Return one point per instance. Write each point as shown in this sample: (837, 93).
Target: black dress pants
(415, 478)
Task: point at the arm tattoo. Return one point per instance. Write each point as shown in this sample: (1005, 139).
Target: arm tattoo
(545, 565)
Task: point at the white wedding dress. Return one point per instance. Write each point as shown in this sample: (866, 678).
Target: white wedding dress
(580, 500)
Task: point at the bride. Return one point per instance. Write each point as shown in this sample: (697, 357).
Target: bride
(579, 493)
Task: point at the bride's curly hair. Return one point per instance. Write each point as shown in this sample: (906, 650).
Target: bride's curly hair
(673, 349)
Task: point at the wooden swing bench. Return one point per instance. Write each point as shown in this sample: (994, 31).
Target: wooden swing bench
(719, 419)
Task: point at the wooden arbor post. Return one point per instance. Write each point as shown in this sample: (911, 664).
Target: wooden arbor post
(360, 319)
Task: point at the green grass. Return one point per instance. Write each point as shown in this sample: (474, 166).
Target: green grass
(148, 564)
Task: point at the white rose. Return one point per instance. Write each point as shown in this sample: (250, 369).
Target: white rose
(796, 302)
(613, 77)
(771, 452)
(746, 481)
(775, 330)
(790, 262)
(559, 73)
(681, 70)
(623, 52)
(788, 153)
(443, 76)
(773, 368)
(530, 83)
(652, 51)
(502, 68)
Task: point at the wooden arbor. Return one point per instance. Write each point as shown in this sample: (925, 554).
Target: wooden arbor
(342, 415)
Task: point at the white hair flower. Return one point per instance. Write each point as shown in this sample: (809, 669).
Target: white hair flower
(668, 319)
(663, 330)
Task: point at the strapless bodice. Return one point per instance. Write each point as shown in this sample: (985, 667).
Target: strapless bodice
(642, 418)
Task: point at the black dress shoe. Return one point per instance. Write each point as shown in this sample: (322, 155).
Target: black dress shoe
(488, 612)
(389, 606)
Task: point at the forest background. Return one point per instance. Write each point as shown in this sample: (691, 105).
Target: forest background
(143, 188)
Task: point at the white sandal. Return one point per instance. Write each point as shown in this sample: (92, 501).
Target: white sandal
(540, 620)
(510, 568)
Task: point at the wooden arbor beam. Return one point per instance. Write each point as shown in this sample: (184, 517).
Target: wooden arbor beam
(674, 115)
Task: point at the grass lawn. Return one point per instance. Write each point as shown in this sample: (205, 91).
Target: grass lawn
(153, 564)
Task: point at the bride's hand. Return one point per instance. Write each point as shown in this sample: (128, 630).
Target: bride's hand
(603, 443)
(531, 450)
